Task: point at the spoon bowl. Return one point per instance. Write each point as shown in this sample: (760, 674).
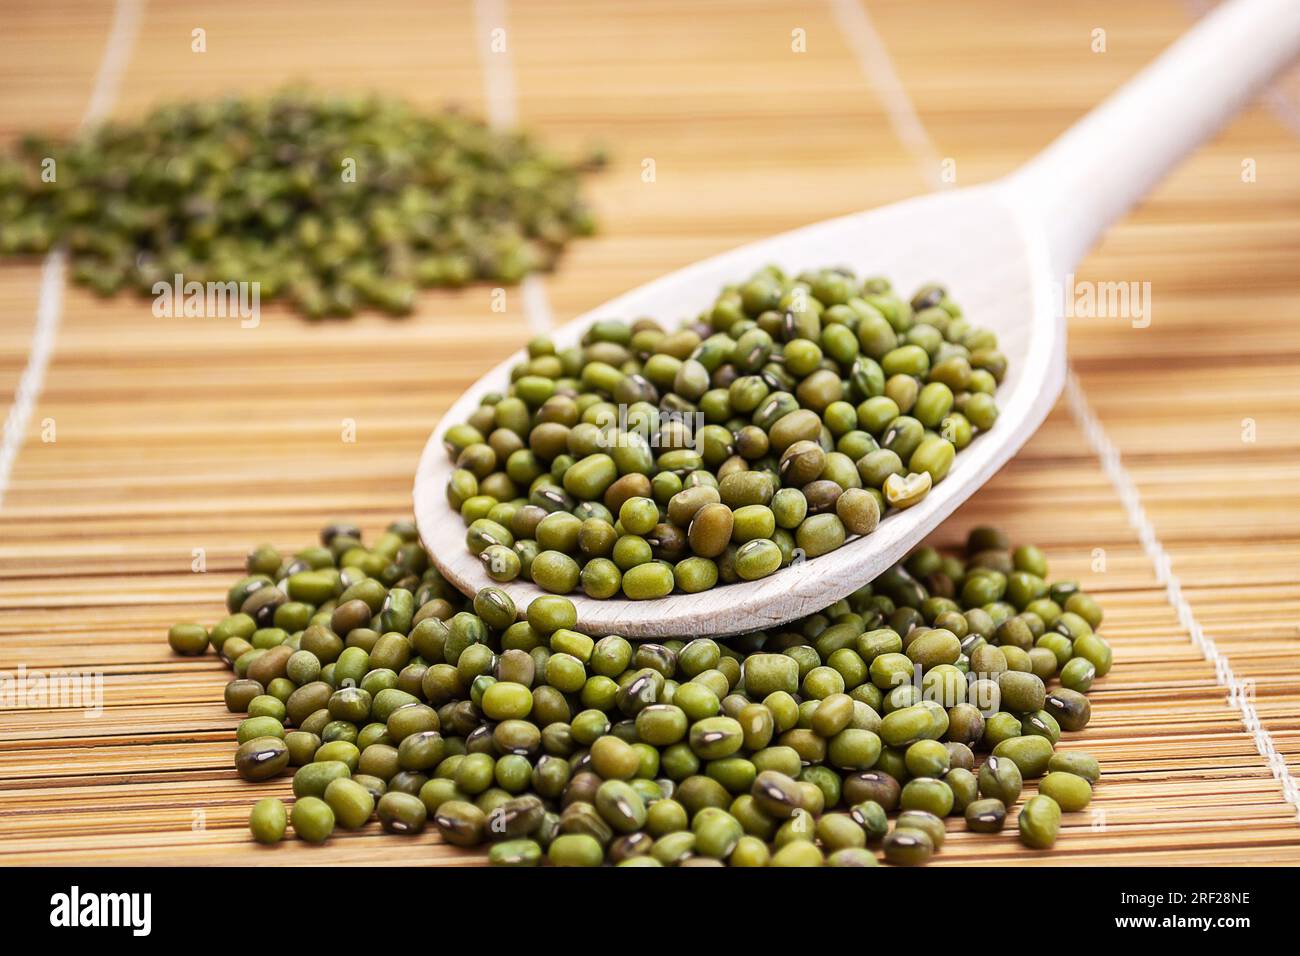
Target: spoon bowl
(972, 240)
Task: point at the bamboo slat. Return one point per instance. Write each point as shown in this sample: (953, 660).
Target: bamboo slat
(176, 435)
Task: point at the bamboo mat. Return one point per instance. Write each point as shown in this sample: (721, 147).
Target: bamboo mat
(172, 436)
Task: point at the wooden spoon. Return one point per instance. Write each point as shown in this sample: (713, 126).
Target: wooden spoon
(1002, 249)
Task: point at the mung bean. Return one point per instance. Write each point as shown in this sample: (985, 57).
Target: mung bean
(817, 421)
(791, 746)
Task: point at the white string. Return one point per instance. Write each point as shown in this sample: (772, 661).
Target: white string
(873, 59)
(1240, 693)
(503, 113)
(49, 305)
(498, 72)
(867, 44)
(537, 306)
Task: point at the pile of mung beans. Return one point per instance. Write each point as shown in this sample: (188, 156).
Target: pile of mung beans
(935, 691)
(335, 203)
(787, 418)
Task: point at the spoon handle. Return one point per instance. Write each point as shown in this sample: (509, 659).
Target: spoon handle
(1099, 168)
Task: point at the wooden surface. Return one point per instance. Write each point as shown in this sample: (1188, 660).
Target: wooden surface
(176, 435)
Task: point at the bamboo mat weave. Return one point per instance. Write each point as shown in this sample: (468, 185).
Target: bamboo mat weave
(177, 435)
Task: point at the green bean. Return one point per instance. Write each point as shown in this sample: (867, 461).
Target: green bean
(268, 820)
(788, 746)
(805, 440)
(312, 819)
(1039, 822)
(1071, 792)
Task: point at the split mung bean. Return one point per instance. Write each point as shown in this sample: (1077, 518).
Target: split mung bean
(333, 203)
(795, 412)
(394, 698)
